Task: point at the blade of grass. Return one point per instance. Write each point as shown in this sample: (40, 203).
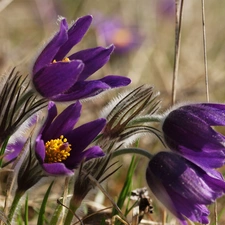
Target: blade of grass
(59, 211)
(179, 13)
(205, 51)
(41, 216)
(26, 211)
(127, 185)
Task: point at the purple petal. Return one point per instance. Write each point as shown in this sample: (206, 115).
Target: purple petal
(183, 187)
(64, 122)
(160, 192)
(116, 81)
(216, 183)
(86, 89)
(57, 77)
(212, 114)
(197, 186)
(204, 194)
(214, 158)
(82, 90)
(40, 149)
(206, 145)
(14, 149)
(48, 53)
(75, 34)
(93, 59)
(52, 113)
(92, 152)
(81, 137)
(194, 212)
(57, 169)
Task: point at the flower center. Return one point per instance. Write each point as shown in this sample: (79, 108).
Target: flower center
(57, 150)
(64, 60)
(122, 37)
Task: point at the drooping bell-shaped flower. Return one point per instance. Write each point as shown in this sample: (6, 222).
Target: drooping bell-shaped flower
(59, 77)
(59, 147)
(188, 130)
(183, 187)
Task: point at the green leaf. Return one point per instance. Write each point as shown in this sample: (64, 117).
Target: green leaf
(56, 214)
(26, 210)
(41, 216)
(127, 184)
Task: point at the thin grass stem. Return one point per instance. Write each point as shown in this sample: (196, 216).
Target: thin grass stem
(178, 22)
(205, 51)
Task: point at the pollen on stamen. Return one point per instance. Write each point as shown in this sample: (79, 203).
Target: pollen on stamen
(57, 150)
(66, 59)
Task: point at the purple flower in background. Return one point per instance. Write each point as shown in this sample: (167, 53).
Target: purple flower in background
(59, 77)
(19, 138)
(188, 130)
(14, 149)
(60, 148)
(183, 187)
(112, 30)
(166, 8)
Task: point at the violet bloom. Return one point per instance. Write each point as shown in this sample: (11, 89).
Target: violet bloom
(183, 187)
(60, 148)
(59, 77)
(124, 38)
(188, 130)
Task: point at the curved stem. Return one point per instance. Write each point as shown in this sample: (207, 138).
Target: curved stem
(132, 151)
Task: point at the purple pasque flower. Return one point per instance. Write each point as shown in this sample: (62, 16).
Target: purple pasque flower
(60, 148)
(59, 77)
(183, 187)
(188, 130)
(113, 30)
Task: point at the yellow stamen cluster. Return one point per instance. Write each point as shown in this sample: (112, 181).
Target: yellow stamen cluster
(64, 60)
(57, 150)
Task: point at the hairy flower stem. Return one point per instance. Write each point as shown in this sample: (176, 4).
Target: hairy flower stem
(132, 151)
(59, 213)
(15, 202)
(72, 209)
